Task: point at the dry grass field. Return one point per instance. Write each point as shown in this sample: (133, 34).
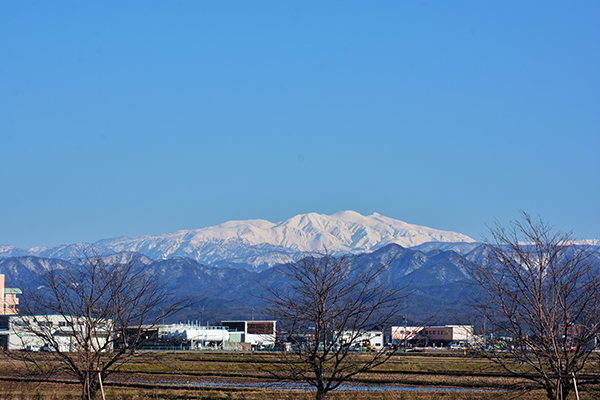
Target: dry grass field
(216, 375)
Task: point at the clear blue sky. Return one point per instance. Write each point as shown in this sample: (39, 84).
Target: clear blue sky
(130, 118)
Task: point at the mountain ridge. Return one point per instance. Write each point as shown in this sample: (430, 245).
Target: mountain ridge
(259, 244)
(236, 293)
(437, 281)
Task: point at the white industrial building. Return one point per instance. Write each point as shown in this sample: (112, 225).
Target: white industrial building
(255, 333)
(197, 336)
(18, 332)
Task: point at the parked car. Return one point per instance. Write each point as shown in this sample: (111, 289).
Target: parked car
(32, 348)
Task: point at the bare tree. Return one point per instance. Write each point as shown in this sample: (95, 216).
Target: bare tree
(539, 290)
(327, 308)
(92, 316)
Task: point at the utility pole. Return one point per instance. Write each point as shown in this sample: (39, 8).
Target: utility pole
(405, 333)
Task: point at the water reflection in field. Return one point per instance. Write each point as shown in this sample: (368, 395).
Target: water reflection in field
(304, 387)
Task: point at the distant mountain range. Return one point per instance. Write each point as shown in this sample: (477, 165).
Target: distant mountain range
(436, 281)
(230, 265)
(259, 244)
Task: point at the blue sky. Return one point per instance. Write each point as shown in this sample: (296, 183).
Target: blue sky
(146, 117)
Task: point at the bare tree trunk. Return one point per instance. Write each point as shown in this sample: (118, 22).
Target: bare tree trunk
(91, 385)
(85, 393)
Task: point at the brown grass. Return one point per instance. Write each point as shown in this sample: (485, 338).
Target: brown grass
(145, 377)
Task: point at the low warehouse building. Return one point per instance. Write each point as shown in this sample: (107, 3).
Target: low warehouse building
(429, 335)
(256, 333)
(52, 331)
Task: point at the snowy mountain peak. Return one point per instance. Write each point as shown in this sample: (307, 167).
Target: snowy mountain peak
(259, 243)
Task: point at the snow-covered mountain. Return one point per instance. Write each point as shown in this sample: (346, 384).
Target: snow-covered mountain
(258, 244)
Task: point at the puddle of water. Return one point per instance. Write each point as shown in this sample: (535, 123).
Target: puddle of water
(304, 387)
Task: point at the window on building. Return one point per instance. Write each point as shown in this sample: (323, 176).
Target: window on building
(260, 328)
(235, 326)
